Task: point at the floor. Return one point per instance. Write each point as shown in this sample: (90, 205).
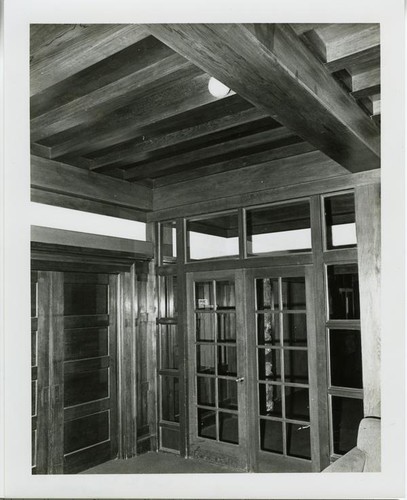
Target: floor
(157, 463)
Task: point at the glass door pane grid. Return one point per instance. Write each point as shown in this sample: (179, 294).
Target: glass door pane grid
(214, 311)
(279, 346)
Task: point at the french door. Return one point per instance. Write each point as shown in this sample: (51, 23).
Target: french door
(253, 400)
(217, 368)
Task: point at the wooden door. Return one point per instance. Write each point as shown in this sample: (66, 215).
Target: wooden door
(74, 375)
(89, 370)
(282, 370)
(217, 369)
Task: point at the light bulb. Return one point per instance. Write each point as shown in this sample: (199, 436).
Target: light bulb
(217, 88)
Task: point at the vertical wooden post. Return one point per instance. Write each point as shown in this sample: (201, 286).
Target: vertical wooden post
(43, 373)
(317, 344)
(127, 365)
(182, 337)
(150, 313)
(50, 372)
(367, 206)
(113, 341)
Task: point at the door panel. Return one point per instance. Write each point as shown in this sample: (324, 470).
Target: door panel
(74, 371)
(90, 419)
(279, 329)
(217, 369)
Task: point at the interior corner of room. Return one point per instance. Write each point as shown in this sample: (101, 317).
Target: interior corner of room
(205, 259)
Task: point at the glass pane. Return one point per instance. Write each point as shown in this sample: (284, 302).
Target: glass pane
(340, 220)
(215, 236)
(279, 228)
(168, 308)
(206, 423)
(168, 239)
(296, 366)
(343, 288)
(267, 294)
(269, 364)
(296, 403)
(346, 358)
(170, 399)
(84, 299)
(227, 361)
(204, 327)
(295, 329)
(169, 347)
(226, 327)
(227, 394)
(206, 391)
(225, 294)
(346, 416)
(268, 328)
(204, 295)
(271, 436)
(293, 293)
(298, 440)
(228, 428)
(270, 401)
(205, 358)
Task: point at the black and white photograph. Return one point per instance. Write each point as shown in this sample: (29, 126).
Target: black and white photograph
(209, 223)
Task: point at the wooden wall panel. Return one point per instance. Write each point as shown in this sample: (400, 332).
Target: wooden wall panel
(291, 189)
(269, 175)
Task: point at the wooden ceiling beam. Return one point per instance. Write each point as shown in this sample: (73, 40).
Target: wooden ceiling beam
(89, 107)
(270, 67)
(152, 169)
(55, 177)
(137, 152)
(366, 83)
(187, 173)
(344, 40)
(90, 44)
(184, 94)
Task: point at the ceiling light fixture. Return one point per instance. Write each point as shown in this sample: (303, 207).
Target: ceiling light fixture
(217, 88)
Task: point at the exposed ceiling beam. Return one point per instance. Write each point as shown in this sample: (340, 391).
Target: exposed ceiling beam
(137, 152)
(151, 169)
(106, 99)
(253, 159)
(182, 95)
(366, 83)
(270, 66)
(344, 40)
(91, 44)
(55, 177)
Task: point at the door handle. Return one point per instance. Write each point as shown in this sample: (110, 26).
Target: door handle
(240, 379)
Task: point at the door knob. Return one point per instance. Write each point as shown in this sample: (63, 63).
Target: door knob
(240, 379)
